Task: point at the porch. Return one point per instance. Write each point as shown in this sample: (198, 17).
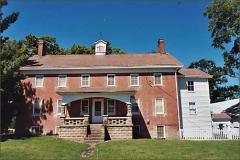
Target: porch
(96, 116)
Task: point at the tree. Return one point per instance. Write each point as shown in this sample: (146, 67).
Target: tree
(6, 21)
(224, 23)
(51, 46)
(218, 92)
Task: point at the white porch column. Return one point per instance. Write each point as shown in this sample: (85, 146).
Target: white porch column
(63, 115)
(129, 113)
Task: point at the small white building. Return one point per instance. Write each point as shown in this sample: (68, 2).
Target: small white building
(194, 103)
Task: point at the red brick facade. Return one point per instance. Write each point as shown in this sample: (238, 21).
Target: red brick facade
(146, 92)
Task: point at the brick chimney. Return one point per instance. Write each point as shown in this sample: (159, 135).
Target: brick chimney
(41, 49)
(161, 48)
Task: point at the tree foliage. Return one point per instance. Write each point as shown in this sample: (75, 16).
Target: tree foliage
(6, 21)
(217, 84)
(224, 24)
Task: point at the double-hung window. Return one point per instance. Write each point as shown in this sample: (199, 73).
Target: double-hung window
(85, 80)
(159, 105)
(111, 107)
(192, 108)
(160, 131)
(190, 85)
(134, 80)
(59, 106)
(37, 107)
(111, 80)
(62, 81)
(85, 107)
(157, 79)
(39, 81)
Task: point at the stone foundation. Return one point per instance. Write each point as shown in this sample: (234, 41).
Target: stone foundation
(120, 132)
(72, 132)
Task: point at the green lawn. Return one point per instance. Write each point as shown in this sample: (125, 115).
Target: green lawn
(52, 148)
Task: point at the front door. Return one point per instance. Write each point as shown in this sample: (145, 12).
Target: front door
(97, 111)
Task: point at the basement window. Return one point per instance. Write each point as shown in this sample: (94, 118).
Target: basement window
(160, 131)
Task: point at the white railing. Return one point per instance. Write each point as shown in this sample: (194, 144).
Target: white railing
(74, 121)
(211, 135)
(117, 120)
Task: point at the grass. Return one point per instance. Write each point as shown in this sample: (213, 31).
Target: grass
(42, 148)
(52, 148)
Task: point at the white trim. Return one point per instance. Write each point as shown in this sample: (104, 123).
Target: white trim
(164, 131)
(81, 112)
(89, 71)
(114, 79)
(93, 109)
(114, 106)
(38, 76)
(154, 79)
(163, 106)
(62, 75)
(135, 74)
(89, 81)
(104, 67)
(33, 108)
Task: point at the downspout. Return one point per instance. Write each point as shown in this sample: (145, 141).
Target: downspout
(179, 128)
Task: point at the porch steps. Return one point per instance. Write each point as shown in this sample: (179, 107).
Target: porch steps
(95, 134)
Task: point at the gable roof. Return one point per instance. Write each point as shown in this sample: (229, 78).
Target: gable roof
(89, 61)
(193, 72)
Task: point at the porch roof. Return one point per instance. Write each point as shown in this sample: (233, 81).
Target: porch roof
(94, 90)
(70, 95)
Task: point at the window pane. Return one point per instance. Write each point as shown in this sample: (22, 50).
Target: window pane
(134, 79)
(62, 80)
(158, 79)
(160, 131)
(111, 80)
(192, 108)
(85, 80)
(111, 107)
(190, 85)
(59, 107)
(159, 106)
(39, 81)
(84, 106)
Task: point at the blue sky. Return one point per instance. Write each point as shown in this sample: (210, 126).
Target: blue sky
(130, 25)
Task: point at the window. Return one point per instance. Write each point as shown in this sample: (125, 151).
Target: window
(85, 80)
(134, 80)
(37, 107)
(111, 80)
(39, 81)
(62, 81)
(59, 106)
(192, 108)
(36, 130)
(160, 131)
(158, 79)
(135, 106)
(190, 85)
(159, 105)
(100, 49)
(111, 107)
(85, 107)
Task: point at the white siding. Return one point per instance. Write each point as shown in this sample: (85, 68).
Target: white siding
(192, 124)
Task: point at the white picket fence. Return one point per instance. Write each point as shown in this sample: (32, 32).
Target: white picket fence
(213, 135)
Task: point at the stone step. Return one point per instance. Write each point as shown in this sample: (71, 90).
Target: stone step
(94, 141)
(94, 138)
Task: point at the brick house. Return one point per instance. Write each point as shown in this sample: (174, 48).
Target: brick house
(101, 96)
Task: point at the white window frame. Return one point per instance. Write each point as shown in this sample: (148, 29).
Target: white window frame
(62, 75)
(137, 100)
(131, 79)
(81, 112)
(33, 110)
(190, 112)
(35, 126)
(114, 106)
(191, 85)
(159, 113)
(114, 79)
(58, 107)
(88, 80)
(38, 76)
(154, 75)
(164, 131)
